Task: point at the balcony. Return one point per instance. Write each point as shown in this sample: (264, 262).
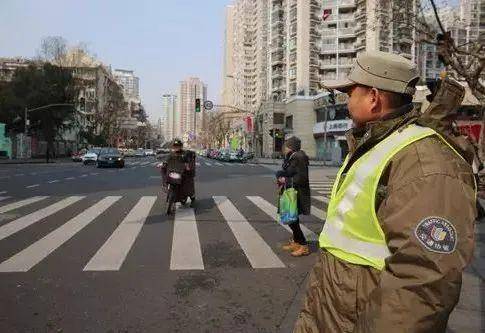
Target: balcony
(346, 48)
(275, 60)
(277, 74)
(340, 3)
(315, 33)
(328, 64)
(277, 9)
(329, 32)
(346, 33)
(360, 29)
(329, 48)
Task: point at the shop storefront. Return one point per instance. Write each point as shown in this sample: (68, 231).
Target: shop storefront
(329, 131)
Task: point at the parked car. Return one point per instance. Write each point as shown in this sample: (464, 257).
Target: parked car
(224, 155)
(129, 153)
(149, 152)
(91, 156)
(140, 152)
(110, 157)
(78, 156)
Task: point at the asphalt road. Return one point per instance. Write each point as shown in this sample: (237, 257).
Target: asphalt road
(90, 250)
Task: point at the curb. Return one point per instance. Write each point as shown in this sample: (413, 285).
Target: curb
(14, 162)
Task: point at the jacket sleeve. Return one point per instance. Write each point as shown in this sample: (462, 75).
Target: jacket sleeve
(421, 281)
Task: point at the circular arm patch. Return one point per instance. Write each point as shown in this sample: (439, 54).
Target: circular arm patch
(436, 234)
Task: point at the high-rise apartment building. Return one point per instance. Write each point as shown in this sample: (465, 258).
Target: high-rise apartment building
(171, 116)
(190, 123)
(245, 82)
(129, 82)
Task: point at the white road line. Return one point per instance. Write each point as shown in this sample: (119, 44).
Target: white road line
(20, 203)
(251, 164)
(38, 251)
(69, 178)
(4, 198)
(94, 174)
(186, 252)
(32, 186)
(318, 213)
(82, 176)
(53, 181)
(112, 254)
(155, 163)
(325, 192)
(21, 223)
(3, 192)
(208, 164)
(271, 210)
(258, 252)
(321, 198)
(19, 174)
(218, 164)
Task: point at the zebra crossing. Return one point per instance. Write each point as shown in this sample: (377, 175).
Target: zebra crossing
(323, 187)
(186, 247)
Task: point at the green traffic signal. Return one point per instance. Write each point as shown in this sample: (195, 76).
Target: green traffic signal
(197, 105)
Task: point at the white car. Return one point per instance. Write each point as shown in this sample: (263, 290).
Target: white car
(140, 152)
(149, 152)
(91, 156)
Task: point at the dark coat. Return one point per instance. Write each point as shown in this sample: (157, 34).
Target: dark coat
(295, 169)
(183, 162)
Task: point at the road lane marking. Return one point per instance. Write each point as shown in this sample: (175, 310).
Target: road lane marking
(271, 210)
(69, 178)
(82, 176)
(3, 192)
(32, 186)
(207, 163)
(53, 181)
(218, 164)
(258, 252)
(186, 252)
(4, 198)
(112, 254)
(38, 251)
(318, 213)
(21, 223)
(321, 198)
(19, 174)
(324, 192)
(94, 174)
(21, 203)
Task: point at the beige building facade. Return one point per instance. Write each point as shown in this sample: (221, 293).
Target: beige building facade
(190, 123)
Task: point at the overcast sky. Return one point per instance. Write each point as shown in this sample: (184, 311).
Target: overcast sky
(163, 41)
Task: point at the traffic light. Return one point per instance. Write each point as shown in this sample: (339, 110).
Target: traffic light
(197, 105)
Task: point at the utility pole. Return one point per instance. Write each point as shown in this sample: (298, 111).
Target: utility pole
(195, 115)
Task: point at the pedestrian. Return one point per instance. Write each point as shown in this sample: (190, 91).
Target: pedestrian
(400, 221)
(294, 173)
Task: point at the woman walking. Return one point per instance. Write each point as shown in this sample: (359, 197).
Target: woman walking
(294, 174)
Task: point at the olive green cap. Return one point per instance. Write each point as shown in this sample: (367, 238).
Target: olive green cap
(381, 70)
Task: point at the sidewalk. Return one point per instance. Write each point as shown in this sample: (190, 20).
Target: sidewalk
(279, 161)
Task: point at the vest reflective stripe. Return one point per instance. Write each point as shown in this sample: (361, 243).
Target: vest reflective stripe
(352, 231)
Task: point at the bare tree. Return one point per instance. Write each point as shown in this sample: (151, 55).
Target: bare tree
(53, 49)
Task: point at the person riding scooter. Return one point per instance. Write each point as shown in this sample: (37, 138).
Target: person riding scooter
(183, 162)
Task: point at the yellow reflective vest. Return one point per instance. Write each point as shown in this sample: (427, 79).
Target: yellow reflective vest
(352, 231)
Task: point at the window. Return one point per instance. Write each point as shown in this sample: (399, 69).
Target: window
(289, 122)
(278, 118)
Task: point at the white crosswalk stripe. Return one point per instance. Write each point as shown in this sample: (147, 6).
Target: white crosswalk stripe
(21, 203)
(186, 251)
(321, 198)
(271, 210)
(112, 254)
(35, 253)
(257, 251)
(25, 221)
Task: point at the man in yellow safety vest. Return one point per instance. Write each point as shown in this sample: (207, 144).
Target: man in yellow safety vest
(400, 220)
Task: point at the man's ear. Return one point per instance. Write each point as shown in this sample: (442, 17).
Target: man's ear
(375, 100)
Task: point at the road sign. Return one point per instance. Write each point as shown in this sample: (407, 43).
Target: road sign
(208, 105)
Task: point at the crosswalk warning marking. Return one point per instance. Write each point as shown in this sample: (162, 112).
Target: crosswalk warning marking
(21, 203)
(112, 254)
(38, 251)
(27, 220)
(258, 252)
(321, 198)
(271, 210)
(186, 251)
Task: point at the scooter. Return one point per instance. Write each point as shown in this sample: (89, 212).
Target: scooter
(174, 182)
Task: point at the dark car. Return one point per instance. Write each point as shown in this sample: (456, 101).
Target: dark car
(110, 157)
